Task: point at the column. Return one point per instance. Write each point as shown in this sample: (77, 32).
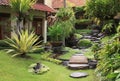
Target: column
(45, 31)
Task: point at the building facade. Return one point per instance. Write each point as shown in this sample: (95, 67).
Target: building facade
(38, 23)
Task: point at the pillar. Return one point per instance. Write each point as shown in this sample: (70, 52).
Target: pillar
(45, 31)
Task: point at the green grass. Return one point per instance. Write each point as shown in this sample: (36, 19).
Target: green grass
(88, 53)
(70, 53)
(16, 69)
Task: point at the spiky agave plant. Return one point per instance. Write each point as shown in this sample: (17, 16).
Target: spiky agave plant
(23, 43)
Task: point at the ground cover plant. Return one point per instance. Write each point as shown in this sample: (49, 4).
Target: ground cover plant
(16, 69)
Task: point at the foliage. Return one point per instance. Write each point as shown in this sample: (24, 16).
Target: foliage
(21, 6)
(84, 43)
(46, 56)
(23, 43)
(95, 48)
(83, 21)
(109, 57)
(55, 32)
(66, 19)
(68, 24)
(102, 9)
(78, 36)
(39, 50)
(108, 26)
(42, 70)
(83, 31)
(70, 52)
(3, 44)
(65, 14)
(80, 9)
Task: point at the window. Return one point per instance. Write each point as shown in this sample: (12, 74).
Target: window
(40, 1)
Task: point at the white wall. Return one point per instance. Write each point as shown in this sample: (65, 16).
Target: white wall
(48, 3)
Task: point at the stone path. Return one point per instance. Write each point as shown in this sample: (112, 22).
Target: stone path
(78, 61)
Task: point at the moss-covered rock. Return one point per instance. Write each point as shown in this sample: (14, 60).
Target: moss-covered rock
(42, 69)
(85, 43)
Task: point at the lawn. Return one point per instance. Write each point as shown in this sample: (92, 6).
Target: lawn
(16, 69)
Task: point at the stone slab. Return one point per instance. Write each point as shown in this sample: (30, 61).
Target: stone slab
(78, 74)
(78, 66)
(78, 59)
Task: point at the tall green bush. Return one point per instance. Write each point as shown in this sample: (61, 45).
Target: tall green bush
(66, 19)
(102, 9)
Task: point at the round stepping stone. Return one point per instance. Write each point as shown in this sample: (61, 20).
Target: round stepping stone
(78, 74)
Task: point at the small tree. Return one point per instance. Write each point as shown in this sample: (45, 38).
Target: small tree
(66, 19)
(20, 8)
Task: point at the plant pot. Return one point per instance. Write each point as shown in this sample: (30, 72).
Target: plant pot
(56, 43)
(57, 47)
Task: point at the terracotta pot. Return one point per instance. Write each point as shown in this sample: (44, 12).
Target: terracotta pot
(56, 44)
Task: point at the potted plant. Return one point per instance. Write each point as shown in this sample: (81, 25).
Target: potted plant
(55, 33)
(65, 14)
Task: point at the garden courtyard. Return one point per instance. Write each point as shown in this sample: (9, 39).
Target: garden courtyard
(69, 43)
(16, 69)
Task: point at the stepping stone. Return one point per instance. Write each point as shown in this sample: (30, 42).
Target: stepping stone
(87, 37)
(81, 59)
(78, 66)
(78, 54)
(78, 74)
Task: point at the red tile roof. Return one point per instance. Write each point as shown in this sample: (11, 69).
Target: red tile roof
(4, 2)
(60, 3)
(41, 7)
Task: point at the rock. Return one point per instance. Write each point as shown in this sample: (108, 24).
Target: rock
(65, 63)
(87, 37)
(78, 74)
(95, 31)
(92, 64)
(78, 66)
(81, 59)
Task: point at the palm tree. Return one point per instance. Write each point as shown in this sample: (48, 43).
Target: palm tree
(20, 8)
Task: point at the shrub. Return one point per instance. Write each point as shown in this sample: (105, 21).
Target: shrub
(65, 14)
(83, 21)
(109, 61)
(78, 36)
(3, 44)
(39, 50)
(42, 70)
(46, 56)
(55, 32)
(84, 43)
(23, 43)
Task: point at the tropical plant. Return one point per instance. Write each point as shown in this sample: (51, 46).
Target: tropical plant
(109, 58)
(46, 56)
(20, 8)
(84, 43)
(102, 9)
(65, 14)
(67, 20)
(55, 32)
(23, 43)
